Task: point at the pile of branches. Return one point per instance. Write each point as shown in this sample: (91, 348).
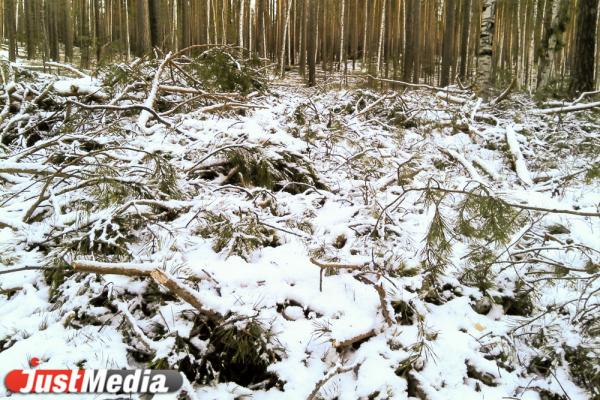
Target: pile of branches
(81, 180)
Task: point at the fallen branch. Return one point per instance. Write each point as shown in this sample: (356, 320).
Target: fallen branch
(126, 269)
(464, 162)
(325, 266)
(481, 164)
(515, 205)
(384, 309)
(148, 270)
(68, 68)
(148, 344)
(129, 107)
(505, 93)
(339, 370)
(573, 108)
(28, 268)
(418, 85)
(585, 94)
(518, 159)
(355, 339)
(185, 293)
(450, 99)
(149, 103)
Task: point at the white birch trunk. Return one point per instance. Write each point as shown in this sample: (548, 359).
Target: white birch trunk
(342, 33)
(285, 31)
(208, 21)
(381, 33)
(127, 30)
(174, 32)
(364, 48)
(241, 25)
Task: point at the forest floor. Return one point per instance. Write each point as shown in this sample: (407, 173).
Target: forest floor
(300, 243)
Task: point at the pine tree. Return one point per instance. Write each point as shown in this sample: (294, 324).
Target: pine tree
(11, 29)
(585, 47)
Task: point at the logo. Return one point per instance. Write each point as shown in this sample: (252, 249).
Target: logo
(92, 380)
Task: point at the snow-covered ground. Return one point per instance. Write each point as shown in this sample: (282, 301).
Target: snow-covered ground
(372, 324)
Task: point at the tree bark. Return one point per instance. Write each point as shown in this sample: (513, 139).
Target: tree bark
(582, 78)
(11, 28)
(311, 44)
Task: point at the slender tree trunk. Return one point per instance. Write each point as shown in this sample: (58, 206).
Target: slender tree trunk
(285, 32)
(342, 32)
(127, 35)
(311, 44)
(464, 37)
(381, 34)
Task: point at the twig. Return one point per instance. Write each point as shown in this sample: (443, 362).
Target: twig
(419, 85)
(339, 370)
(27, 268)
(68, 68)
(129, 107)
(325, 266)
(358, 338)
(383, 303)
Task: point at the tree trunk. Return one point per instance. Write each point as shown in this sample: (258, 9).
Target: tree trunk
(283, 38)
(68, 30)
(11, 28)
(342, 33)
(154, 15)
(311, 44)
(552, 42)
(447, 43)
(464, 37)
(381, 34)
(582, 78)
(486, 40)
(84, 34)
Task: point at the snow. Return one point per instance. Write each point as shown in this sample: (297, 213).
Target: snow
(280, 286)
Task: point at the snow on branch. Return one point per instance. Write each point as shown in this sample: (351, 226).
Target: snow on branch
(517, 155)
